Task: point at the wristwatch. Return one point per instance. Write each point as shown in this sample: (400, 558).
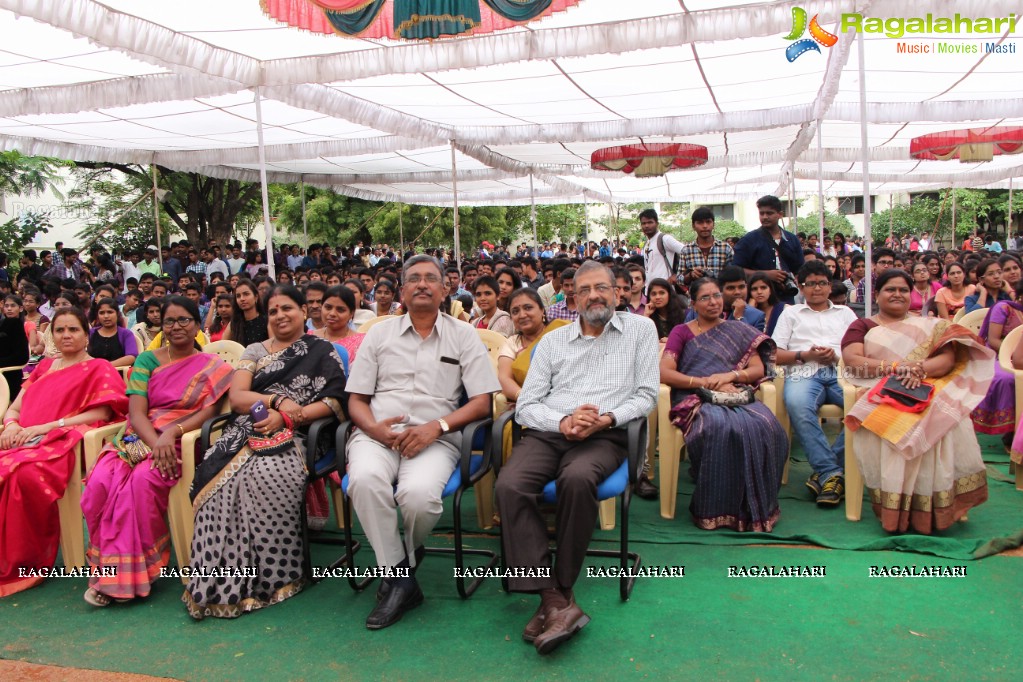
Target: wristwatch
(799, 357)
(60, 423)
(614, 421)
(444, 428)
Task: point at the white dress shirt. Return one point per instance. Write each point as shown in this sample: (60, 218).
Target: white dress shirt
(800, 328)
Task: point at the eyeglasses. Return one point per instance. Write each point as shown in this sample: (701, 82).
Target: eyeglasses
(169, 322)
(416, 279)
(602, 289)
(886, 263)
(816, 285)
(709, 297)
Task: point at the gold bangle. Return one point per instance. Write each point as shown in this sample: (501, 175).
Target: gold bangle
(182, 429)
(690, 383)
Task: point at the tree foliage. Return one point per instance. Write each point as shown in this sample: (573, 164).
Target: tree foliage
(200, 207)
(27, 176)
(973, 210)
(836, 223)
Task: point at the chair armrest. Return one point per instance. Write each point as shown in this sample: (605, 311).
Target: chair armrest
(93, 442)
(848, 393)
(11, 368)
(208, 426)
(637, 430)
(468, 436)
(497, 438)
(318, 428)
(344, 430)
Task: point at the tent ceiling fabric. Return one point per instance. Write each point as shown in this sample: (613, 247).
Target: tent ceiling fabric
(142, 81)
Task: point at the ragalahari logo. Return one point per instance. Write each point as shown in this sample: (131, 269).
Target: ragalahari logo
(817, 35)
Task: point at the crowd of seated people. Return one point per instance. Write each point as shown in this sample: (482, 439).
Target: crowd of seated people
(715, 330)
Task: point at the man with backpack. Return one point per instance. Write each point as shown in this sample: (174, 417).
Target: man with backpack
(662, 252)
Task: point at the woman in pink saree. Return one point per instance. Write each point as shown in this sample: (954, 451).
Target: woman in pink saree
(64, 398)
(172, 390)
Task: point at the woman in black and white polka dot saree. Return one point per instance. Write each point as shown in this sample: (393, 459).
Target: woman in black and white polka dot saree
(247, 543)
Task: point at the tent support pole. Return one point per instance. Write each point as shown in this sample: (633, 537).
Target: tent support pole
(868, 242)
(401, 235)
(305, 225)
(156, 217)
(1008, 220)
(820, 184)
(532, 217)
(267, 230)
(586, 226)
(454, 194)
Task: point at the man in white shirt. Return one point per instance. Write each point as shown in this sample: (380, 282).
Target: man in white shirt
(662, 252)
(295, 258)
(809, 337)
(236, 262)
(129, 268)
(213, 264)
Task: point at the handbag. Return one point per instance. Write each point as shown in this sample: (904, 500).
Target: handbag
(133, 449)
(892, 392)
(744, 396)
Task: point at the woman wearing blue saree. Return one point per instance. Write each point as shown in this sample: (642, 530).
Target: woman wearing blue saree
(737, 452)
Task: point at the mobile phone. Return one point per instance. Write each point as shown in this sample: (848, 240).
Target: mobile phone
(259, 412)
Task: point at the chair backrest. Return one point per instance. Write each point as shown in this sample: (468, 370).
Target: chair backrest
(972, 321)
(364, 327)
(229, 351)
(1009, 344)
(494, 341)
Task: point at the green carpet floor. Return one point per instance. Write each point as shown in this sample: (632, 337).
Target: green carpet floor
(843, 626)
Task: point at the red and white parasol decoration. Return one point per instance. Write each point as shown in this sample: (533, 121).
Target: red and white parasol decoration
(646, 160)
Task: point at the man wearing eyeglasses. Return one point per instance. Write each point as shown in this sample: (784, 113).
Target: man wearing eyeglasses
(809, 337)
(404, 397)
(575, 436)
(884, 259)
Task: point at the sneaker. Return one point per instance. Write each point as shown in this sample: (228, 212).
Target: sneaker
(814, 484)
(832, 492)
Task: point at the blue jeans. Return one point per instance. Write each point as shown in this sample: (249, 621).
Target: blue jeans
(803, 398)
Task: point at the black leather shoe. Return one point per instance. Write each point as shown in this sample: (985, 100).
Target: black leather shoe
(645, 489)
(385, 586)
(403, 595)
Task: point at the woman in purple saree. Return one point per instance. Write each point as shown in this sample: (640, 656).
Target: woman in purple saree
(996, 414)
(737, 452)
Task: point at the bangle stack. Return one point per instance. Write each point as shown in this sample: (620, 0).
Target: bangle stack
(275, 401)
(181, 429)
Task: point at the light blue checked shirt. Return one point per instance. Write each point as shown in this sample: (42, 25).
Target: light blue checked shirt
(616, 371)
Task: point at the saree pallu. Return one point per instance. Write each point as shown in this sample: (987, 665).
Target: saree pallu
(125, 505)
(33, 479)
(996, 413)
(247, 546)
(924, 470)
(737, 453)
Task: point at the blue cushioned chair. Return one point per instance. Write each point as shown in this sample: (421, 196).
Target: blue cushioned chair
(619, 483)
(471, 468)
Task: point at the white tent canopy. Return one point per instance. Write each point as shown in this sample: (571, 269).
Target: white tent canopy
(174, 84)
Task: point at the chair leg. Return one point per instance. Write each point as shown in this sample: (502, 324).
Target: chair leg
(628, 562)
(669, 457)
(69, 507)
(337, 498)
(853, 482)
(652, 421)
(181, 521)
(459, 552)
(484, 491)
(607, 514)
(1019, 477)
(351, 547)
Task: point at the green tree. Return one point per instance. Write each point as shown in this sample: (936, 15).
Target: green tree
(27, 176)
(723, 229)
(201, 207)
(836, 223)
